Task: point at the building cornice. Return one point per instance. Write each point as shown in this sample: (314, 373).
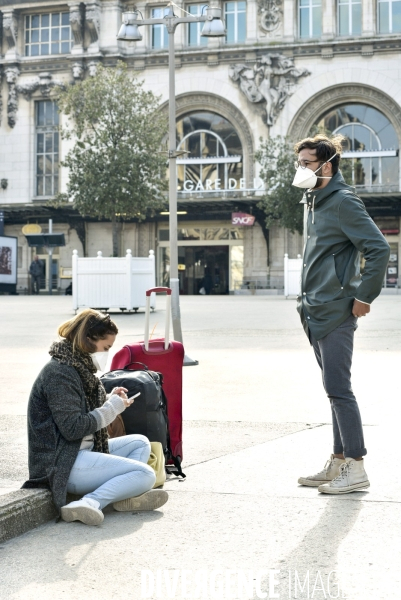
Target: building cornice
(223, 55)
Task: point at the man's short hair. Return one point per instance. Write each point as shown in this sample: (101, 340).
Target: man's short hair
(325, 148)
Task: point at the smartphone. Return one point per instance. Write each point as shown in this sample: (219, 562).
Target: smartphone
(130, 400)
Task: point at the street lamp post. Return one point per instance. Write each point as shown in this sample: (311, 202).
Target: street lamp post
(129, 32)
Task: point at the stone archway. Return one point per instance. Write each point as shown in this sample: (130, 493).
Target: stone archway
(341, 94)
(197, 101)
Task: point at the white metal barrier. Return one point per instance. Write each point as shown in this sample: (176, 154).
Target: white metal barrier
(292, 275)
(101, 282)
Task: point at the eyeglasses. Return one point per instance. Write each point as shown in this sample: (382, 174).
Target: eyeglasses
(309, 162)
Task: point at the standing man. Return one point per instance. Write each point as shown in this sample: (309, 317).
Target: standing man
(36, 271)
(334, 296)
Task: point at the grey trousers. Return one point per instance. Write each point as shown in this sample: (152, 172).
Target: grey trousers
(334, 356)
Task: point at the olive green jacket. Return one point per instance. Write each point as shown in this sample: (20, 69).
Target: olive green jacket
(338, 229)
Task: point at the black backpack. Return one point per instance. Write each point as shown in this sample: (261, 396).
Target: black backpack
(147, 415)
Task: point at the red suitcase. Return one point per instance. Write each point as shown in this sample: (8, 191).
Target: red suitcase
(165, 357)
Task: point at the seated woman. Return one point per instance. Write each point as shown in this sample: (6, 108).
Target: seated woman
(68, 414)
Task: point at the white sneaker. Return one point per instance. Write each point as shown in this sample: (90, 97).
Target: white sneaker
(85, 510)
(148, 501)
(352, 478)
(330, 471)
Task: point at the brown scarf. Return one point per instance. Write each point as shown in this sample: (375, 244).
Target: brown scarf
(94, 391)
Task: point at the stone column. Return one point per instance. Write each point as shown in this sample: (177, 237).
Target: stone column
(368, 18)
(1, 104)
(290, 20)
(92, 22)
(328, 19)
(252, 28)
(77, 27)
(110, 23)
(180, 36)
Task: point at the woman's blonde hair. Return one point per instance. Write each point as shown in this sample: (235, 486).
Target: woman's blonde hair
(87, 327)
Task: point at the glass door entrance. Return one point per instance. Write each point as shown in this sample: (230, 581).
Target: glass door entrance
(44, 282)
(203, 269)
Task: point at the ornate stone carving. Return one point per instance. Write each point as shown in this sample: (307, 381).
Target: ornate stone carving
(331, 97)
(77, 71)
(44, 82)
(76, 22)
(92, 68)
(10, 29)
(12, 74)
(270, 14)
(271, 80)
(92, 17)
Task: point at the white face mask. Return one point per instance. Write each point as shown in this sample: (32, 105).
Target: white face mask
(100, 360)
(306, 178)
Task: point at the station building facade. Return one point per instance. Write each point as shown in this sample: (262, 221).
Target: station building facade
(284, 68)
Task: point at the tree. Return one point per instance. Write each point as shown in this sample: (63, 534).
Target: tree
(281, 202)
(116, 170)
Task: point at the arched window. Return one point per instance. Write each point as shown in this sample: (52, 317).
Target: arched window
(370, 158)
(212, 154)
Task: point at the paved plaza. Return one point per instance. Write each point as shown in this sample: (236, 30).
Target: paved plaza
(255, 419)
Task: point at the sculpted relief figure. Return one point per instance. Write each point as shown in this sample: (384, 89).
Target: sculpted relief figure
(12, 74)
(77, 71)
(272, 80)
(44, 83)
(270, 14)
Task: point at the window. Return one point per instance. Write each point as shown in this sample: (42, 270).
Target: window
(349, 17)
(235, 16)
(48, 34)
(194, 29)
(310, 18)
(213, 158)
(47, 148)
(371, 146)
(389, 16)
(159, 32)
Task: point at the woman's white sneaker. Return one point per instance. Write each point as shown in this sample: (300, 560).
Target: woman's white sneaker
(352, 478)
(330, 471)
(85, 510)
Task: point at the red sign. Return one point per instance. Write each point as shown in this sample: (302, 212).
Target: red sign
(242, 219)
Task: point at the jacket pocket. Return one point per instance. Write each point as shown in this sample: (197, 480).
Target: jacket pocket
(323, 284)
(334, 269)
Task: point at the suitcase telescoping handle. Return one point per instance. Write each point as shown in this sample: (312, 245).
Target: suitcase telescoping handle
(147, 314)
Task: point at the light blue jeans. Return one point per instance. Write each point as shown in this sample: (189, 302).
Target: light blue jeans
(122, 474)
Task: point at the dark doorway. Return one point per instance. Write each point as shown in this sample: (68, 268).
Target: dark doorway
(203, 270)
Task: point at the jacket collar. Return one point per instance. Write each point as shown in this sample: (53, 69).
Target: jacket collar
(336, 183)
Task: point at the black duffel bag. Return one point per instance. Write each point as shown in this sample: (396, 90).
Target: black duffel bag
(147, 415)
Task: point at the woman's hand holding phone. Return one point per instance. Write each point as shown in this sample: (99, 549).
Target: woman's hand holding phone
(129, 401)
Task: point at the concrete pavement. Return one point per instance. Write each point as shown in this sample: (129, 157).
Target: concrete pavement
(255, 420)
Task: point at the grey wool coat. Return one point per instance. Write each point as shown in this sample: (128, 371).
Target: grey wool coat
(58, 419)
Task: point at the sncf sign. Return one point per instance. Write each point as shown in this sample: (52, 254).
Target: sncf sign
(242, 219)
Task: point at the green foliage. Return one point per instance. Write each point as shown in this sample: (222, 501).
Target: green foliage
(115, 168)
(281, 200)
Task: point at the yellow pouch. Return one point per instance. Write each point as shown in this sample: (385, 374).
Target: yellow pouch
(157, 462)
